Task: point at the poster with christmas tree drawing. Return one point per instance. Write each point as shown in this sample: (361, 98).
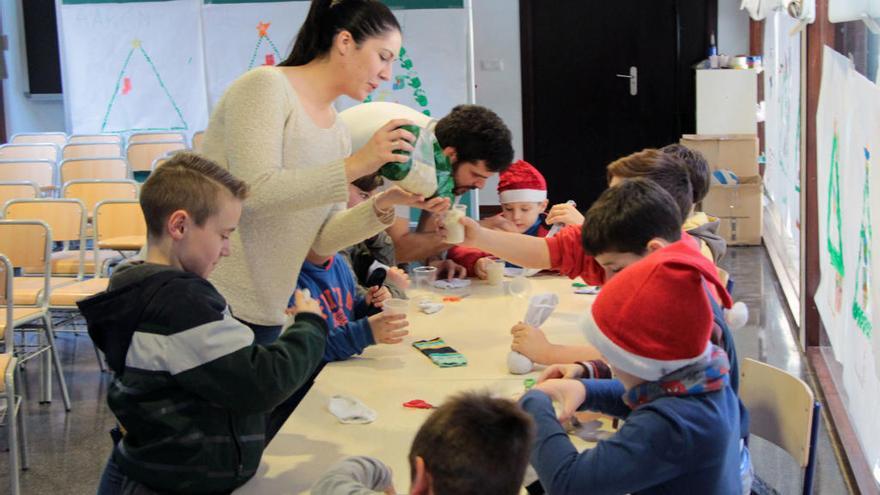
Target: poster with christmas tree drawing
(848, 141)
(838, 206)
(242, 34)
(133, 66)
(861, 368)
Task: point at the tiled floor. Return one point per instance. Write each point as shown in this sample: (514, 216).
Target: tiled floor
(68, 451)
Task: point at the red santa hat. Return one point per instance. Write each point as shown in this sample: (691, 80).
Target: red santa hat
(521, 183)
(655, 316)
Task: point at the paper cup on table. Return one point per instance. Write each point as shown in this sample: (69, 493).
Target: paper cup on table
(395, 306)
(495, 272)
(454, 229)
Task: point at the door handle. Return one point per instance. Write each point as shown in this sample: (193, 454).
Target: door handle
(633, 77)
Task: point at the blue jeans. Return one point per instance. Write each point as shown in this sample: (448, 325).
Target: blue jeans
(114, 482)
(263, 334)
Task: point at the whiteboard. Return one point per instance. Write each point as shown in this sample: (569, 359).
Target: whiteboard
(132, 66)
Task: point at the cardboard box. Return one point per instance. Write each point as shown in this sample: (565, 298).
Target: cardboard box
(740, 210)
(737, 152)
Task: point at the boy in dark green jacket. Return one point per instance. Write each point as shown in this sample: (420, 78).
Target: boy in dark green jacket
(191, 390)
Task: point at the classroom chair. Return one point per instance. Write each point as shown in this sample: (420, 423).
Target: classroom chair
(30, 151)
(67, 218)
(783, 411)
(57, 138)
(93, 168)
(96, 138)
(15, 414)
(141, 155)
(119, 226)
(91, 192)
(197, 140)
(17, 189)
(156, 136)
(29, 243)
(91, 150)
(158, 162)
(40, 172)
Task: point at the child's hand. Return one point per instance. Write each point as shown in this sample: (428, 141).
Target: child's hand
(569, 394)
(398, 277)
(304, 304)
(472, 231)
(394, 195)
(499, 222)
(574, 371)
(481, 267)
(376, 295)
(388, 328)
(564, 213)
(531, 343)
(448, 269)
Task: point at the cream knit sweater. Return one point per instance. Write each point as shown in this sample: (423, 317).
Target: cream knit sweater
(261, 133)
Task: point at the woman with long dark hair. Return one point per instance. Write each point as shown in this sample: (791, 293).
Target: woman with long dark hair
(277, 129)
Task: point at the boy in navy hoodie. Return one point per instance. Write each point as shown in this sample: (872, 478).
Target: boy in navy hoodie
(355, 321)
(682, 431)
(191, 390)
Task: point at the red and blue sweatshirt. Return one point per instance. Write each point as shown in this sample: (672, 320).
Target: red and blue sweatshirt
(468, 256)
(345, 312)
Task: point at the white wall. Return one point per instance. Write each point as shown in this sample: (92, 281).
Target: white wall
(733, 28)
(24, 114)
(497, 71)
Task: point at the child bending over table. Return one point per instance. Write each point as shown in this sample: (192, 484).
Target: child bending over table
(473, 443)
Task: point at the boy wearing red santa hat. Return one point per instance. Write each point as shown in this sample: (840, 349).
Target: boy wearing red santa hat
(522, 191)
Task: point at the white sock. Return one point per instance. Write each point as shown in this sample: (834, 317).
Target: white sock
(349, 410)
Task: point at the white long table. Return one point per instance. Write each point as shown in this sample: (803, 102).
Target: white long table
(386, 376)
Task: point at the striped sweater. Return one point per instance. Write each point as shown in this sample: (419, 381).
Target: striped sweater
(190, 389)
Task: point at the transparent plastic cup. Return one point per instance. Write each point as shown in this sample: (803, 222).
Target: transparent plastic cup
(424, 277)
(395, 306)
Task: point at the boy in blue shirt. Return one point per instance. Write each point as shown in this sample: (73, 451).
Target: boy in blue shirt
(355, 321)
(682, 431)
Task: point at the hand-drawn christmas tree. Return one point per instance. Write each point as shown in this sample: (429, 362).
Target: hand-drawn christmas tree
(271, 56)
(861, 308)
(140, 87)
(834, 223)
(409, 78)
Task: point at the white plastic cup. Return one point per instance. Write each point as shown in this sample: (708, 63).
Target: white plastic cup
(495, 272)
(454, 229)
(395, 306)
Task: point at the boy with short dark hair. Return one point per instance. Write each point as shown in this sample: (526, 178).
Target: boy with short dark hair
(682, 430)
(185, 370)
(473, 443)
(628, 221)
